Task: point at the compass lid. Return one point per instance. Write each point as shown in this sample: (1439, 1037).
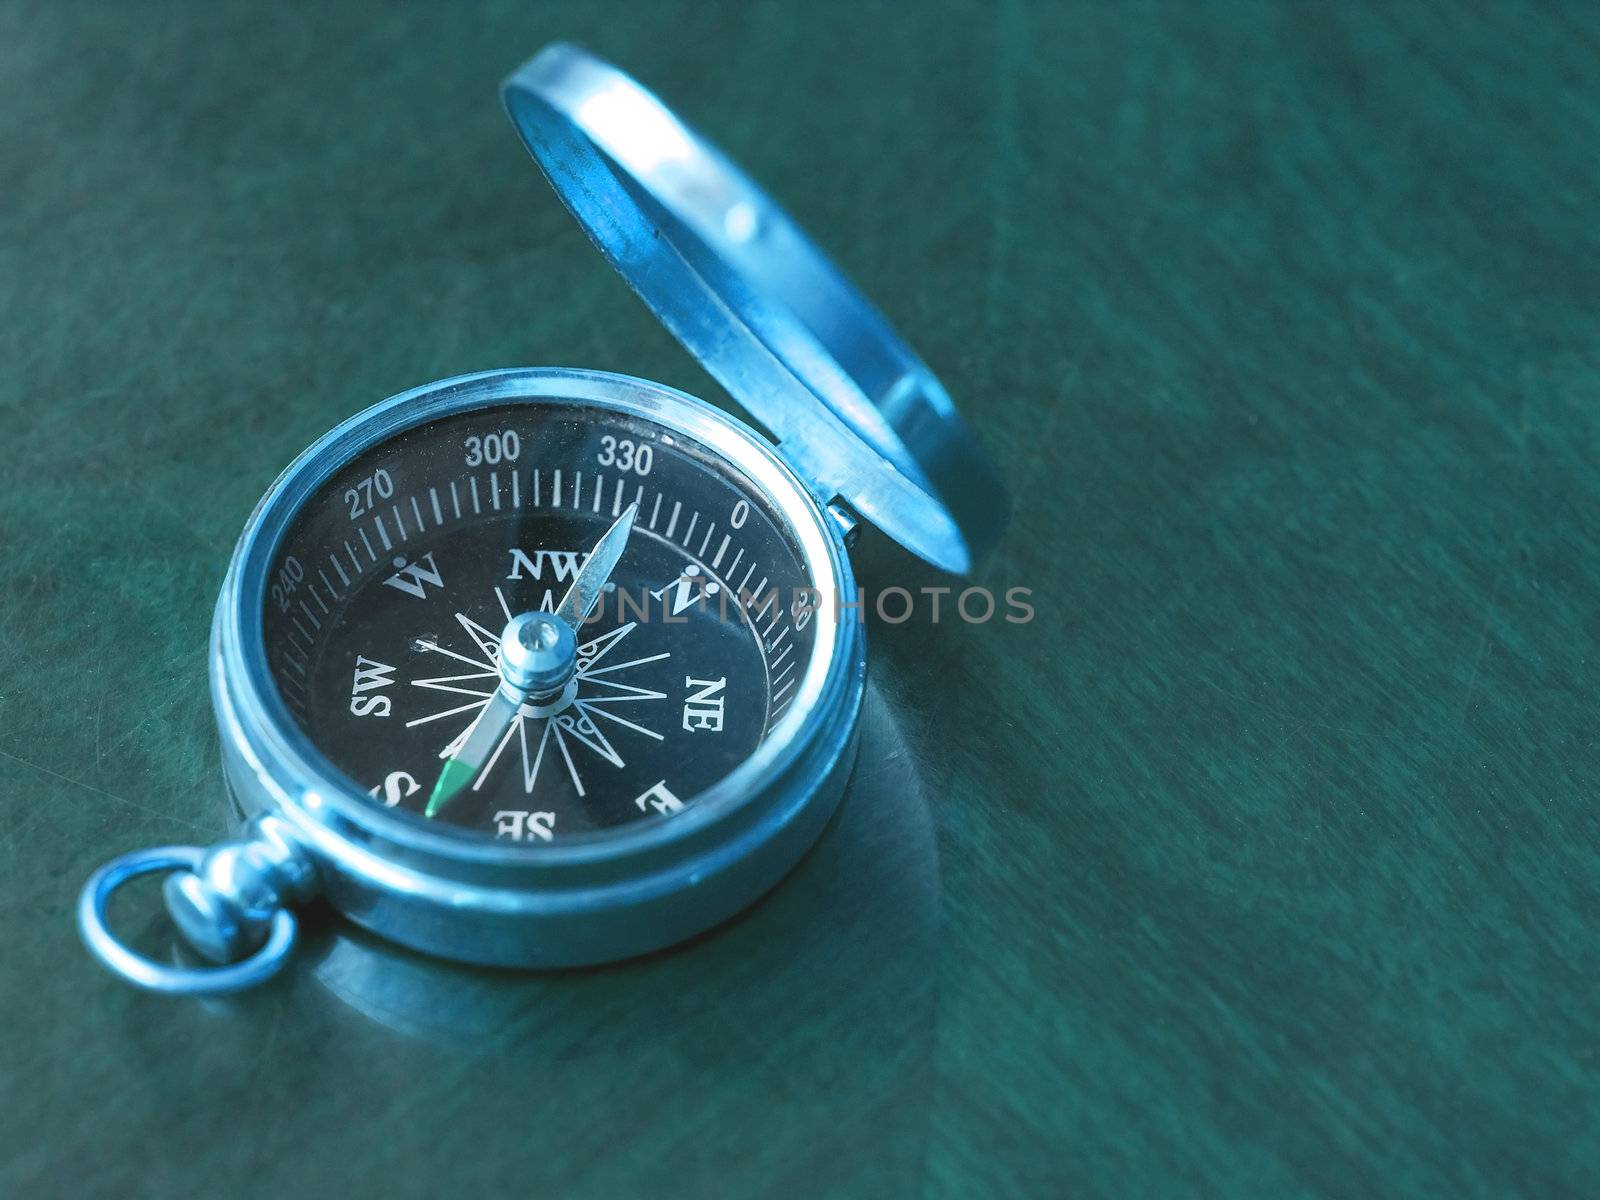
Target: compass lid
(767, 314)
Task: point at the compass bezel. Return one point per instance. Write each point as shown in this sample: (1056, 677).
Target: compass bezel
(582, 899)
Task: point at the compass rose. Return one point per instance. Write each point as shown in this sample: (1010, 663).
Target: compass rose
(579, 717)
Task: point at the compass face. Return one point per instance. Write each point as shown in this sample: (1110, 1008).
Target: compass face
(391, 589)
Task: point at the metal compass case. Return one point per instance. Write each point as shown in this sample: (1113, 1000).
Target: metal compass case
(546, 667)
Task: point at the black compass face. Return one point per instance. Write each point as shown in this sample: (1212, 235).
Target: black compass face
(392, 589)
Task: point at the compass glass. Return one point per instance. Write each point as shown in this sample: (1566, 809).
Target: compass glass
(391, 588)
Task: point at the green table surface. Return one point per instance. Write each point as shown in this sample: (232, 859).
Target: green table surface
(1263, 862)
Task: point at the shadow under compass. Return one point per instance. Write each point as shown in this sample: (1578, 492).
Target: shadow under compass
(817, 1002)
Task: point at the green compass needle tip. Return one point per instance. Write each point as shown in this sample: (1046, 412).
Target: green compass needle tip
(455, 776)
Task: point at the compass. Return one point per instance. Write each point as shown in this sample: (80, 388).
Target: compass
(549, 667)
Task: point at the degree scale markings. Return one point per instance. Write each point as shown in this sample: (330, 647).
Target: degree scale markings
(780, 617)
(697, 555)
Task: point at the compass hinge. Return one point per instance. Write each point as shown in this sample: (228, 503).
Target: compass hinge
(845, 519)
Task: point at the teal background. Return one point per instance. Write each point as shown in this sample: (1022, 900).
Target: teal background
(1262, 863)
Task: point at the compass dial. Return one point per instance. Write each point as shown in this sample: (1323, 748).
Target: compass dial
(392, 587)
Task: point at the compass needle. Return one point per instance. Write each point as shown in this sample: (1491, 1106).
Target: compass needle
(461, 768)
(537, 655)
(590, 584)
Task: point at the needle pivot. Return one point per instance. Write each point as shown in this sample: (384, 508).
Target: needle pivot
(538, 653)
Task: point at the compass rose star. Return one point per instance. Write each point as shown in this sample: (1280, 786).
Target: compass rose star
(580, 717)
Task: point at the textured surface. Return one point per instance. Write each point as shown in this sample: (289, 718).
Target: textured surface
(1263, 863)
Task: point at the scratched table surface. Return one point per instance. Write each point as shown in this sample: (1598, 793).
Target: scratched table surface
(1263, 862)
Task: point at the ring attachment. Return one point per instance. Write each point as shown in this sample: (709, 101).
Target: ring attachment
(154, 976)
